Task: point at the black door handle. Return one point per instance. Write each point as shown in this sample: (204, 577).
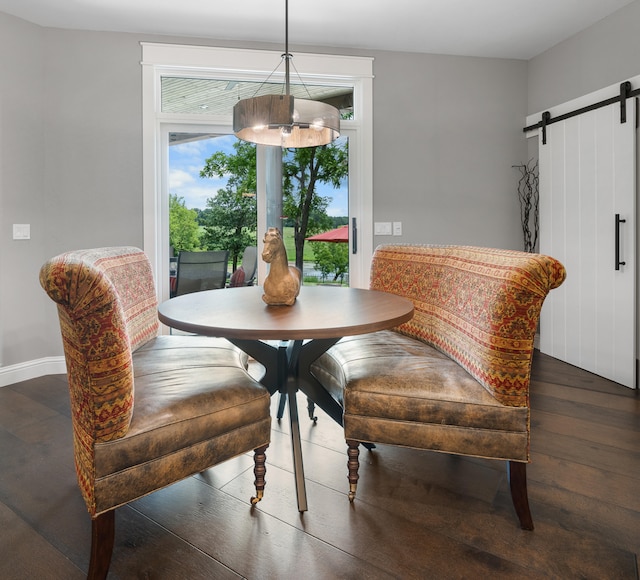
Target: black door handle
(618, 222)
(354, 236)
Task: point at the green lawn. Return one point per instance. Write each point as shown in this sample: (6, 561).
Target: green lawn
(289, 245)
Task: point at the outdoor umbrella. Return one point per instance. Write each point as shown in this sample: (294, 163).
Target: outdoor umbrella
(340, 234)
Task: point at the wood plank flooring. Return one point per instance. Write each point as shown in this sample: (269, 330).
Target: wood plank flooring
(417, 514)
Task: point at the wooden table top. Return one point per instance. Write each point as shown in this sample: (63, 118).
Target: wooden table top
(319, 312)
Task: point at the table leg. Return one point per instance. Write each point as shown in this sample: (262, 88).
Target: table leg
(281, 364)
(296, 446)
(309, 385)
(293, 352)
(282, 401)
(269, 356)
(287, 370)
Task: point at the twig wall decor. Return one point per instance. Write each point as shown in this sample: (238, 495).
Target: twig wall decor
(528, 194)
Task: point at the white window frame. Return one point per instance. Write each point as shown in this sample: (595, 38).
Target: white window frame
(256, 65)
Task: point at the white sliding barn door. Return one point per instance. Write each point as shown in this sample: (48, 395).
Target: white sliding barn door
(587, 176)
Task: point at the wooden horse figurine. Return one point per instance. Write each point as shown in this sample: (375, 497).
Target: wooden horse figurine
(282, 284)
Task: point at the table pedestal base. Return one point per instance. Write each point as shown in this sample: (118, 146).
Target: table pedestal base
(288, 369)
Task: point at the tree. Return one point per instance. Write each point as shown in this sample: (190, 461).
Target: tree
(302, 170)
(231, 217)
(231, 223)
(184, 233)
(331, 258)
(239, 167)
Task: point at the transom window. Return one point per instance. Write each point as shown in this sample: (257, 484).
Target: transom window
(201, 96)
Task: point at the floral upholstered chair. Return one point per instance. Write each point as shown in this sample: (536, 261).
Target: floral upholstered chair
(147, 410)
(455, 378)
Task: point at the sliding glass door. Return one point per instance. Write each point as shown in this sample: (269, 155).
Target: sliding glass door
(213, 202)
(188, 97)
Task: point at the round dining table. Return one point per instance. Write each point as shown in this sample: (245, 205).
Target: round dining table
(286, 340)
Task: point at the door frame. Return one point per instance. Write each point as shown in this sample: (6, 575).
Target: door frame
(208, 62)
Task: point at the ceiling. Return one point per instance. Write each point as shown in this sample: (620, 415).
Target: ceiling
(519, 29)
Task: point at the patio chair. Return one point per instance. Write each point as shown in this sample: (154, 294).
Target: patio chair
(199, 271)
(245, 274)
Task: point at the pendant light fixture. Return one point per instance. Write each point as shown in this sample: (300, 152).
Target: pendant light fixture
(284, 120)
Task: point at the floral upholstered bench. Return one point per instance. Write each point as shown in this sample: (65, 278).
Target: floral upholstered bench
(455, 378)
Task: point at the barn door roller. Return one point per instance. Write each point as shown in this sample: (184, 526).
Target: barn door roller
(625, 93)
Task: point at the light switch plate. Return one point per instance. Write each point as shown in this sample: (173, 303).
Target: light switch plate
(382, 228)
(397, 228)
(21, 231)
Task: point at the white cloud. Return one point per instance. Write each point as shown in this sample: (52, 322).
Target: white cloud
(180, 178)
(193, 189)
(186, 161)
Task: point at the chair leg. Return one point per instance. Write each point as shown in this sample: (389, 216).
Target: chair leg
(353, 465)
(518, 484)
(259, 470)
(102, 536)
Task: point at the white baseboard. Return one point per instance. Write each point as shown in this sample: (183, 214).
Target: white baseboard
(53, 365)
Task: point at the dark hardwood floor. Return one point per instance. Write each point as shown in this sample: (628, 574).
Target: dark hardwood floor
(417, 514)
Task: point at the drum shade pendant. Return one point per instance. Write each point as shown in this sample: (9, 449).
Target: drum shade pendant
(284, 120)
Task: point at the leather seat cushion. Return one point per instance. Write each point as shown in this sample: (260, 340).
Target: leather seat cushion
(390, 377)
(190, 391)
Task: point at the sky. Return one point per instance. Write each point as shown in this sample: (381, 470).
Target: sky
(187, 159)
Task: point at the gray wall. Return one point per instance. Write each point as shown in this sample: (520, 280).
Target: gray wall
(93, 127)
(446, 131)
(22, 156)
(604, 54)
